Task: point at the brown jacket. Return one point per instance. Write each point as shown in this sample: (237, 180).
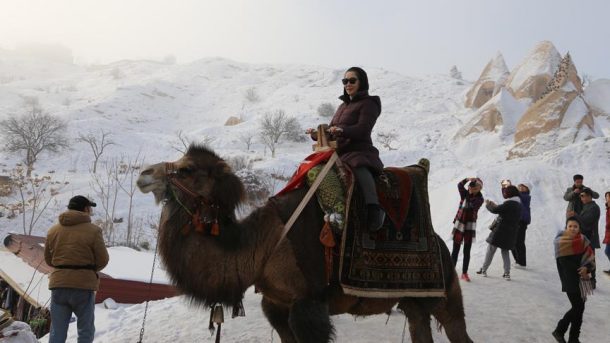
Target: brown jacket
(356, 117)
(75, 242)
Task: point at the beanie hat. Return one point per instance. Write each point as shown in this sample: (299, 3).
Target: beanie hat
(577, 177)
(79, 203)
(525, 185)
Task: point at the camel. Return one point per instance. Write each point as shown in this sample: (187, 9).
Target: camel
(214, 258)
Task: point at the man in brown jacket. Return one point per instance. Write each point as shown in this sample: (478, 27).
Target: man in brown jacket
(75, 248)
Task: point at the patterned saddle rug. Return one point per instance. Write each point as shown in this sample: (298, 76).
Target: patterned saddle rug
(402, 259)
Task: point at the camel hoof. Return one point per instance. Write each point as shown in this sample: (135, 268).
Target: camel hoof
(424, 163)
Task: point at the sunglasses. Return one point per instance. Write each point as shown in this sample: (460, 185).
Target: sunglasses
(351, 80)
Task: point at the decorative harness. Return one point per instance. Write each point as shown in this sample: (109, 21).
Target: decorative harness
(200, 203)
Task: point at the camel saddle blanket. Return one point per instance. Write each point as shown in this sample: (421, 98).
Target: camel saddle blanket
(403, 258)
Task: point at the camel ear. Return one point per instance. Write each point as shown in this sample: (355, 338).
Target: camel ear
(228, 189)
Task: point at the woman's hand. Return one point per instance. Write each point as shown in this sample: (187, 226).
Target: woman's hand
(335, 130)
(584, 272)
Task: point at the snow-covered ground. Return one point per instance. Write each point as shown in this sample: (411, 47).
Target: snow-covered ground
(144, 104)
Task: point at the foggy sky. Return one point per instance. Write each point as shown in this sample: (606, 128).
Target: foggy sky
(411, 37)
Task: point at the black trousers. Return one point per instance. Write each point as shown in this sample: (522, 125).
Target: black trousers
(572, 318)
(456, 251)
(519, 251)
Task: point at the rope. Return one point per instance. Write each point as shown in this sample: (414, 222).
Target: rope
(152, 272)
(308, 195)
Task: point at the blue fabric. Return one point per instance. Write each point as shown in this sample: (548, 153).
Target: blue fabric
(64, 302)
(525, 207)
(607, 250)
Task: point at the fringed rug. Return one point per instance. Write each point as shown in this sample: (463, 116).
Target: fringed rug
(403, 258)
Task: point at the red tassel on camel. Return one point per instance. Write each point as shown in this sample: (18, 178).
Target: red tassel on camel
(328, 241)
(215, 230)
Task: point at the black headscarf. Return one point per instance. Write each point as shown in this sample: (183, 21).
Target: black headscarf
(362, 77)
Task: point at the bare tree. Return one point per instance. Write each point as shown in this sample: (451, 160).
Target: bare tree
(33, 196)
(326, 109)
(276, 125)
(182, 142)
(251, 95)
(33, 134)
(97, 144)
(387, 139)
(129, 170)
(106, 188)
(247, 139)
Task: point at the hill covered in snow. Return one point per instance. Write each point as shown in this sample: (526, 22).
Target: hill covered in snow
(146, 104)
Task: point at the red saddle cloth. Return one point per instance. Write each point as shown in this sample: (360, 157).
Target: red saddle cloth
(394, 189)
(309, 162)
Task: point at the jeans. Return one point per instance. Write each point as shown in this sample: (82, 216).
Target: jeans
(64, 302)
(607, 251)
(367, 184)
(491, 250)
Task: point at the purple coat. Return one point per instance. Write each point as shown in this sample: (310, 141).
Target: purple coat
(356, 117)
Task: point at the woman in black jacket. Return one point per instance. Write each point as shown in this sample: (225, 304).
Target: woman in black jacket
(504, 233)
(575, 260)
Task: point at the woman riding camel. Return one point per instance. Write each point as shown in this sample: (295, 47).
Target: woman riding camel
(351, 126)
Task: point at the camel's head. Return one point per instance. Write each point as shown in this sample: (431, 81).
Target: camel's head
(199, 173)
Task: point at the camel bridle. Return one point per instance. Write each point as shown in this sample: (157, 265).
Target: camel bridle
(202, 205)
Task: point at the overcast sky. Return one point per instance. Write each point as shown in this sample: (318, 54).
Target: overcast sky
(412, 37)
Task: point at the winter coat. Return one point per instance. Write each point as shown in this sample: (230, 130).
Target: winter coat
(504, 235)
(573, 198)
(469, 204)
(75, 242)
(525, 198)
(356, 117)
(589, 219)
(567, 267)
(607, 235)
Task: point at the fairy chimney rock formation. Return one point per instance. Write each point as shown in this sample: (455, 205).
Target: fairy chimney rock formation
(492, 78)
(530, 78)
(559, 117)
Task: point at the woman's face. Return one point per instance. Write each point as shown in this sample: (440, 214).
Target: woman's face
(522, 188)
(608, 198)
(572, 228)
(351, 88)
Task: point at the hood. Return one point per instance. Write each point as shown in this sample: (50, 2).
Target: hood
(516, 199)
(73, 217)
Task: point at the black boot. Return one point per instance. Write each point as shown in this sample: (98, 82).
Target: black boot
(560, 330)
(374, 217)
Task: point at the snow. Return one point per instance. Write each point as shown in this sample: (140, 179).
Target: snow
(511, 110)
(150, 102)
(118, 269)
(597, 95)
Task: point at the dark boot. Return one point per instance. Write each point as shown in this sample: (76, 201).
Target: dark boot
(374, 217)
(560, 330)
